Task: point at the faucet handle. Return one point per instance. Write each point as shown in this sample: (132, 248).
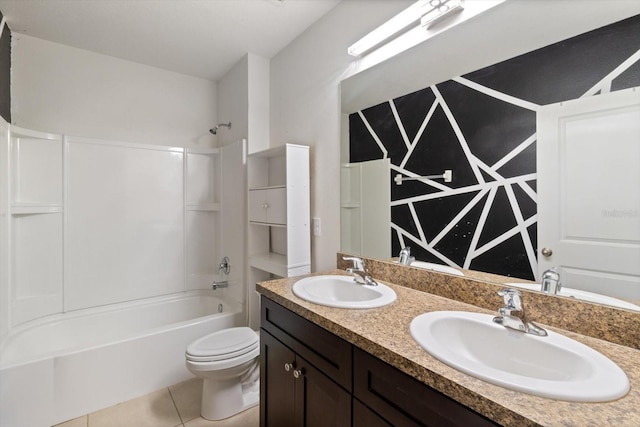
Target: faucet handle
(358, 263)
(551, 281)
(512, 299)
(405, 257)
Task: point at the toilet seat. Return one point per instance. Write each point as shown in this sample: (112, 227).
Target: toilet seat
(223, 345)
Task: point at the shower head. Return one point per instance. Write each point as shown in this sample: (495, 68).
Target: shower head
(214, 130)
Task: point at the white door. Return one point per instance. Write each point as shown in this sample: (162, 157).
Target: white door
(588, 161)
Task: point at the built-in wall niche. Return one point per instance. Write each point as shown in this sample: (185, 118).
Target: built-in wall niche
(203, 201)
(36, 220)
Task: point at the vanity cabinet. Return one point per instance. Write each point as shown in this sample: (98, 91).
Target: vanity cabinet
(398, 399)
(305, 377)
(339, 384)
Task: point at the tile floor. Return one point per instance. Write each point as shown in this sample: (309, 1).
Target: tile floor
(175, 406)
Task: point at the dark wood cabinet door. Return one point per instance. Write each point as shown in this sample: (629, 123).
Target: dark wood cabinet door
(365, 417)
(406, 402)
(320, 402)
(277, 399)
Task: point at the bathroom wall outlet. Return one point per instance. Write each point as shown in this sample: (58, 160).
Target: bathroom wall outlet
(317, 226)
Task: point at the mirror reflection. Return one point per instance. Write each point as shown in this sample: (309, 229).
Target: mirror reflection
(520, 201)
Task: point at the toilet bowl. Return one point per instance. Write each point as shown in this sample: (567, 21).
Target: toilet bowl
(227, 361)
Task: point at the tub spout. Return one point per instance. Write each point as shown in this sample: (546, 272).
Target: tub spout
(221, 284)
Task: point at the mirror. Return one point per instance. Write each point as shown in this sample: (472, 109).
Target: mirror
(495, 101)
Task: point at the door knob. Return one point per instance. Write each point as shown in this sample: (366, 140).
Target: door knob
(546, 252)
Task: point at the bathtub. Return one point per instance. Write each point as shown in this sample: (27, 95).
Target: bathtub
(67, 365)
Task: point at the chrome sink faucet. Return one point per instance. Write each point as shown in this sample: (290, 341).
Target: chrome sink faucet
(359, 271)
(551, 281)
(512, 315)
(405, 257)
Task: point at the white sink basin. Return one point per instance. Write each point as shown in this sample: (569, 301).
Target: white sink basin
(343, 292)
(581, 295)
(554, 366)
(436, 267)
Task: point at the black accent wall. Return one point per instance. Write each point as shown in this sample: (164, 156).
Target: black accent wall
(482, 126)
(5, 73)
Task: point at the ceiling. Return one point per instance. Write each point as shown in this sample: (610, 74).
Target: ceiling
(201, 38)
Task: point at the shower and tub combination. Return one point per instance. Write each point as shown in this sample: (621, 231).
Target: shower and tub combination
(109, 254)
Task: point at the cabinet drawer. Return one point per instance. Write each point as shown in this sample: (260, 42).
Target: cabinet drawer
(327, 352)
(404, 401)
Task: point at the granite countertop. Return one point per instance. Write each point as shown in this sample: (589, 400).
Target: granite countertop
(384, 333)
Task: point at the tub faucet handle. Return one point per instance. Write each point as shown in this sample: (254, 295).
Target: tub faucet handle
(225, 265)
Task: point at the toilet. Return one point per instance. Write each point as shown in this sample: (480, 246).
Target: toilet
(227, 361)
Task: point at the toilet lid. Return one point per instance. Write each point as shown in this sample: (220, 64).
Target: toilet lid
(223, 344)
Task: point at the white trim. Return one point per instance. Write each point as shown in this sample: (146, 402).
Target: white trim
(498, 95)
(373, 134)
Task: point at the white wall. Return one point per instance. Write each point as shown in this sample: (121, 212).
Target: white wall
(305, 105)
(60, 89)
(258, 81)
(233, 95)
(4, 229)
(243, 100)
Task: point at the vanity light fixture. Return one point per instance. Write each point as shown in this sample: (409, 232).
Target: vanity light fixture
(425, 11)
(437, 14)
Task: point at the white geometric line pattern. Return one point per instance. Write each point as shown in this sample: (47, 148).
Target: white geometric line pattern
(473, 160)
(604, 85)
(373, 134)
(485, 190)
(482, 189)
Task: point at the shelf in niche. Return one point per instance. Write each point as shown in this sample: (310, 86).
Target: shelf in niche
(203, 150)
(267, 187)
(35, 208)
(211, 207)
(268, 224)
(270, 262)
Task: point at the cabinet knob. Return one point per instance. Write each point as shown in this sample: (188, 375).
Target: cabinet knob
(298, 373)
(289, 366)
(265, 206)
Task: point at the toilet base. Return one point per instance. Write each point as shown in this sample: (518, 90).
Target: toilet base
(223, 399)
